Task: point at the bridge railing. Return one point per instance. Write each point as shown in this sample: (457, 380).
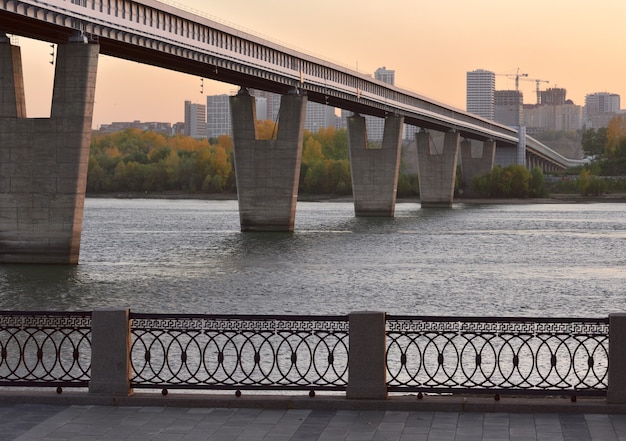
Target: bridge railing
(41, 349)
(408, 354)
(239, 352)
(498, 355)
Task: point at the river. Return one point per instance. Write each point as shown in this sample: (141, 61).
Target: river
(189, 256)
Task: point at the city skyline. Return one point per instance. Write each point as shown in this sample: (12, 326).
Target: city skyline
(570, 44)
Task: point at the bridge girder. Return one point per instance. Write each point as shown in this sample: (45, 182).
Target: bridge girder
(57, 25)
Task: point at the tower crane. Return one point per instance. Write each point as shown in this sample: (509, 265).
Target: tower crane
(537, 87)
(517, 76)
(538, 92)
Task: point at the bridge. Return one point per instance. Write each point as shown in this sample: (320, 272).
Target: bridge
(44, 161)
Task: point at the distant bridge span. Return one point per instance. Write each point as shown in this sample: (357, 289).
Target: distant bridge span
(158, 34)
(44, 161)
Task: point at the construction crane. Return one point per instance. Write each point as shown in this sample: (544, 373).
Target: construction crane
(517, 76)
(537, 86)
(538, 92)
(521, 76)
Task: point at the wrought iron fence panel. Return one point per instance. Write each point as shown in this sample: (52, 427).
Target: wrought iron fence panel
(45, 348)
(237, 352)
(469, 354)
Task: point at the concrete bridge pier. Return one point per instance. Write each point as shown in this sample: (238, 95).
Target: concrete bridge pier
(374, 168)
(474, 163)
(43, 161)
(267, 171)
(436, 168)
(521, 146)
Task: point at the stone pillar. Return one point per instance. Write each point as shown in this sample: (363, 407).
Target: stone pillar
(267, 171)
(43, 161)
(367, 369)
(436, 169)
(110, 353)
(12, 98)
(616, 393)
(374, 170)
(521, 146)
(474, 165)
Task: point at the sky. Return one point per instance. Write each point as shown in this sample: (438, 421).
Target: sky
(573, 44)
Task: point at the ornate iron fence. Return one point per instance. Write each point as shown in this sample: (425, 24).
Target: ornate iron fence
(45, 348)
(558, 356)
(237, 352)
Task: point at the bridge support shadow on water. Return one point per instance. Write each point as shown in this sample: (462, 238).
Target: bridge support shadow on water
(43, 161)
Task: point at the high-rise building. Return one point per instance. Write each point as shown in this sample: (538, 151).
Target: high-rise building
(508, 107)
(481, 86)
(195, 120)
(558, 117)
(218, 116)
(602, 102)
(600, 109)
(553, 96)
(376, 126)
(319, 116)
(268, 105)
(385, 75)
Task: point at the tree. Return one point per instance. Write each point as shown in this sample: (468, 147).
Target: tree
(589, 184)
(616, 137)
(132, 160)
(537, 187)
(594, 141)
(96, 176)
(312, 151)
(266, 129)
(511, 181)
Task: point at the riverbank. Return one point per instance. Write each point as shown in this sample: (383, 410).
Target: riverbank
(552, 199)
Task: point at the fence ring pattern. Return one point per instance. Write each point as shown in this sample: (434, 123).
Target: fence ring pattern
(232, 352)
(447, 354)
(45, 348)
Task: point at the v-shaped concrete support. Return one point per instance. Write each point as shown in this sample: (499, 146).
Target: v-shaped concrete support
(436, 169)
(43, 161)
(374, 171)
(268, 171)
(474, 165)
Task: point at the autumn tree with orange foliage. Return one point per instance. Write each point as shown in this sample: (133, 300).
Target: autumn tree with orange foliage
(616, 137)
(325, 165)
(136, 161)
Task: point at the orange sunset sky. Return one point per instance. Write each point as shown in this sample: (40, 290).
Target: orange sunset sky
(573, 44)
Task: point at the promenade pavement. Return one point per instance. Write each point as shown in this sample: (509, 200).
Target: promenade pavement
(31, 421)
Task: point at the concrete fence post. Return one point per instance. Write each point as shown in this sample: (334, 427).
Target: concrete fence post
(617, 359)
(110, 352)
(367, 371)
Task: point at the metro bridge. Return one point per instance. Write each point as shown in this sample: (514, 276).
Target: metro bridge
(44, 161)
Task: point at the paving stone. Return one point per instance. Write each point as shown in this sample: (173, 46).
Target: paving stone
(109, 423)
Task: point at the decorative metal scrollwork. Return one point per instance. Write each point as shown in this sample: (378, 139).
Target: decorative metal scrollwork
(45, 348)
(233, 352)
(445, 354)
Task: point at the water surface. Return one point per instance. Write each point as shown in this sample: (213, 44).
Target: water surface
(189, 256)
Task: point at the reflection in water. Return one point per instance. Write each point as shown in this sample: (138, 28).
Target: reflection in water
(40, 287)
(190, 256)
